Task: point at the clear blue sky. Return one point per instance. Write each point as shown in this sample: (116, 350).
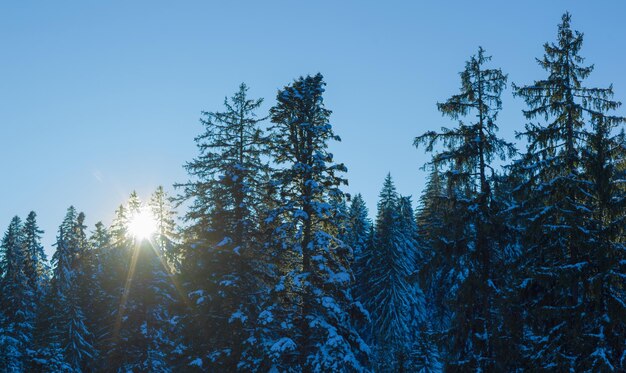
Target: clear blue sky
(100, 98)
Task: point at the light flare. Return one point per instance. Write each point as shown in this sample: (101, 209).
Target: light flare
(142, 224)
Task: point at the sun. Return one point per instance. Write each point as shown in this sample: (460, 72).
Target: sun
(142, 224)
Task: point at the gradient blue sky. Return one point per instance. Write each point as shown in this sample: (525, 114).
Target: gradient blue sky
(99, 98)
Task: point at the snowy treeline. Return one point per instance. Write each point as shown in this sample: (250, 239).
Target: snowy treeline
(274, 268)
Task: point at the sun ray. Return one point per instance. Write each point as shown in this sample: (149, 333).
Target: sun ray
(168, 271)
(125, 293)
(142, 226)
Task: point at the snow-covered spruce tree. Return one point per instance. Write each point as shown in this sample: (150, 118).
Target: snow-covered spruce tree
(119, 228)
(139, 292)
(165, 237)
(358, 237)
(104, 295)
(423, 355)
(433, 232)
(558, 238)
(68, 322)
(222, 256)
(340, 227)
(259, 357)
(507, 237)
(112, 246)
(430, 209)
(316, 331)
(148, 325)
(162, 326)
(601, 343)
(37, 271)
(87, 287)
(142, 336)
(17, 301)
(36, 263)
(387, 303)
(391, 293)
(359, 225)
(100, 237)
(468, 151)
(167, 339)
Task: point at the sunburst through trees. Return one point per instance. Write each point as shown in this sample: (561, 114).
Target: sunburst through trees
(275, 268)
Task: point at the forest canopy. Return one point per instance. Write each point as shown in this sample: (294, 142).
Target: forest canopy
(260, 261)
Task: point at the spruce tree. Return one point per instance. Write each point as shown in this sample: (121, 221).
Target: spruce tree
(221, 253)
(358, 237)
(392, 294)
(558, 243)
(317, 332)
(36, 266)
(162, 325)
(17, 301)
(112, 246)
(600, 345)
(507, 237)
(37, 271)
(69, 324)
(119, 228)
(423, 355)
(165, 237)
(85, 280)
(468, 151)
(102, 317)
(358, 224)
(142, 295)
(433, 229)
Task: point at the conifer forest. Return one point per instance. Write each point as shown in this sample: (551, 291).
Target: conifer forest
(512, 258)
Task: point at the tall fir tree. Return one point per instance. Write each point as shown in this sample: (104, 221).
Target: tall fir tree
(36, 266)
(68, 322)
(37, 271)
(17, 301)
(393, 296)
(114, 257)
(423, 355)
(358, 237)
(221, 254)
(317, 332)
(556, 210)
(103, 275)
(467, 155)
(432, 224)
